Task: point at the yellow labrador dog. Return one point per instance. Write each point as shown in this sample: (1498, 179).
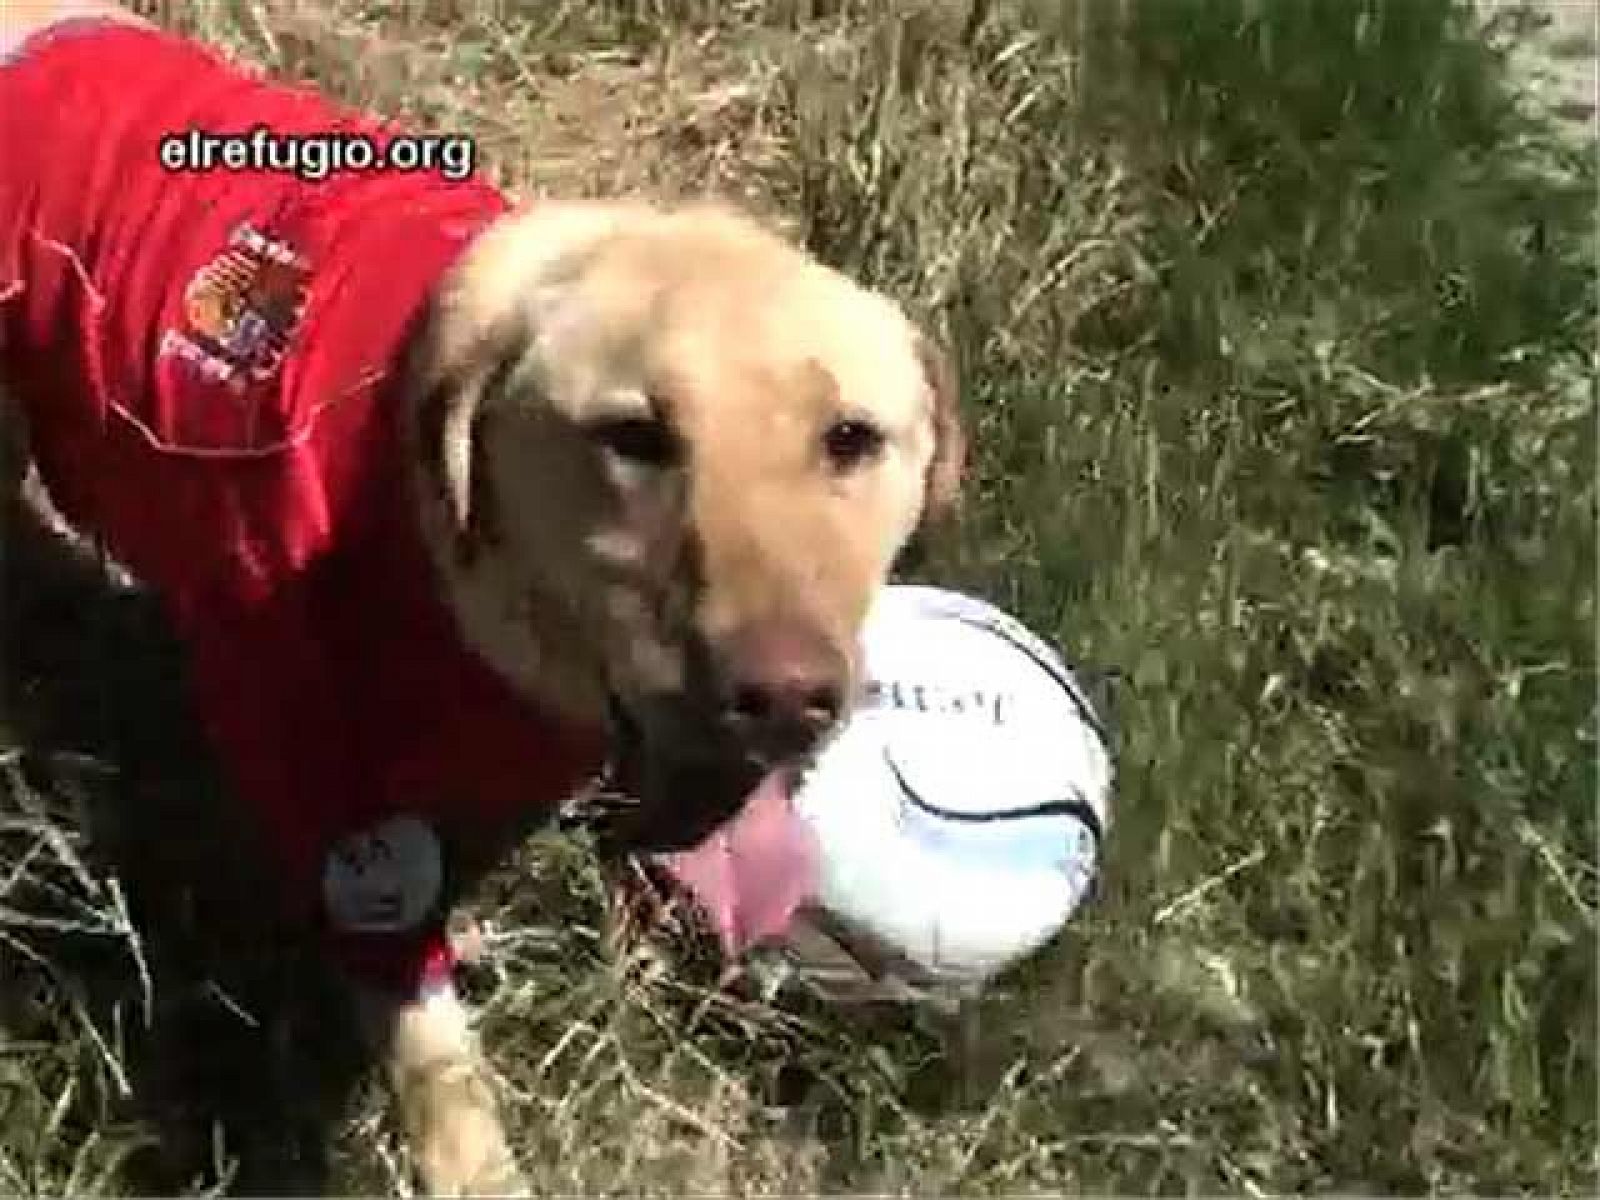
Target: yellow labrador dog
(452, 501)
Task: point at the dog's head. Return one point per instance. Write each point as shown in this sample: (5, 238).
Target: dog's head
(666, 461)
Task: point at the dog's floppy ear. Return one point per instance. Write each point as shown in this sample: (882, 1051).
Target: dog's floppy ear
(454, 405)
(943, 479)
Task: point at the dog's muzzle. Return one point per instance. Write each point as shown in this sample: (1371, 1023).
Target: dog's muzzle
(723, 830)
(650, 798)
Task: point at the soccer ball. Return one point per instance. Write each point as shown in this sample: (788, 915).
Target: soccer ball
(959, 811)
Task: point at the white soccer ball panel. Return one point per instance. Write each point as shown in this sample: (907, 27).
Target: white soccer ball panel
(921, 804)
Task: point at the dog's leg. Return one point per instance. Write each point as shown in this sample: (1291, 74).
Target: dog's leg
(445, 1099)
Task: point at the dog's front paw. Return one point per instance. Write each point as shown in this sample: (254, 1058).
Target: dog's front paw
(453, 1124)
(447, 1103)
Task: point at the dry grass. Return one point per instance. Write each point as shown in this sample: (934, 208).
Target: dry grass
(1277, 329)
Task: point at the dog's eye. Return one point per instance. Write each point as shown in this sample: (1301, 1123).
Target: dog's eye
(850, 443)
(644, 440)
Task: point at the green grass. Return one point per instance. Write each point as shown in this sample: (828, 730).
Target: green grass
(1277, 324)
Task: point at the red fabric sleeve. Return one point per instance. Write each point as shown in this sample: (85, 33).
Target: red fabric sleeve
(279, 711)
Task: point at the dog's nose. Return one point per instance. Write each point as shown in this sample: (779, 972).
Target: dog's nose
(786, 688)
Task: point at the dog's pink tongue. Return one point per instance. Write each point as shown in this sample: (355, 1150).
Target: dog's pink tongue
(751, 875)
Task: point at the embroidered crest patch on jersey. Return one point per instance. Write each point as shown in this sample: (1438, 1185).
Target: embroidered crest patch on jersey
(240, 310)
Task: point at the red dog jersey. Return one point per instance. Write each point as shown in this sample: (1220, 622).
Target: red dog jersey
(206, 361)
